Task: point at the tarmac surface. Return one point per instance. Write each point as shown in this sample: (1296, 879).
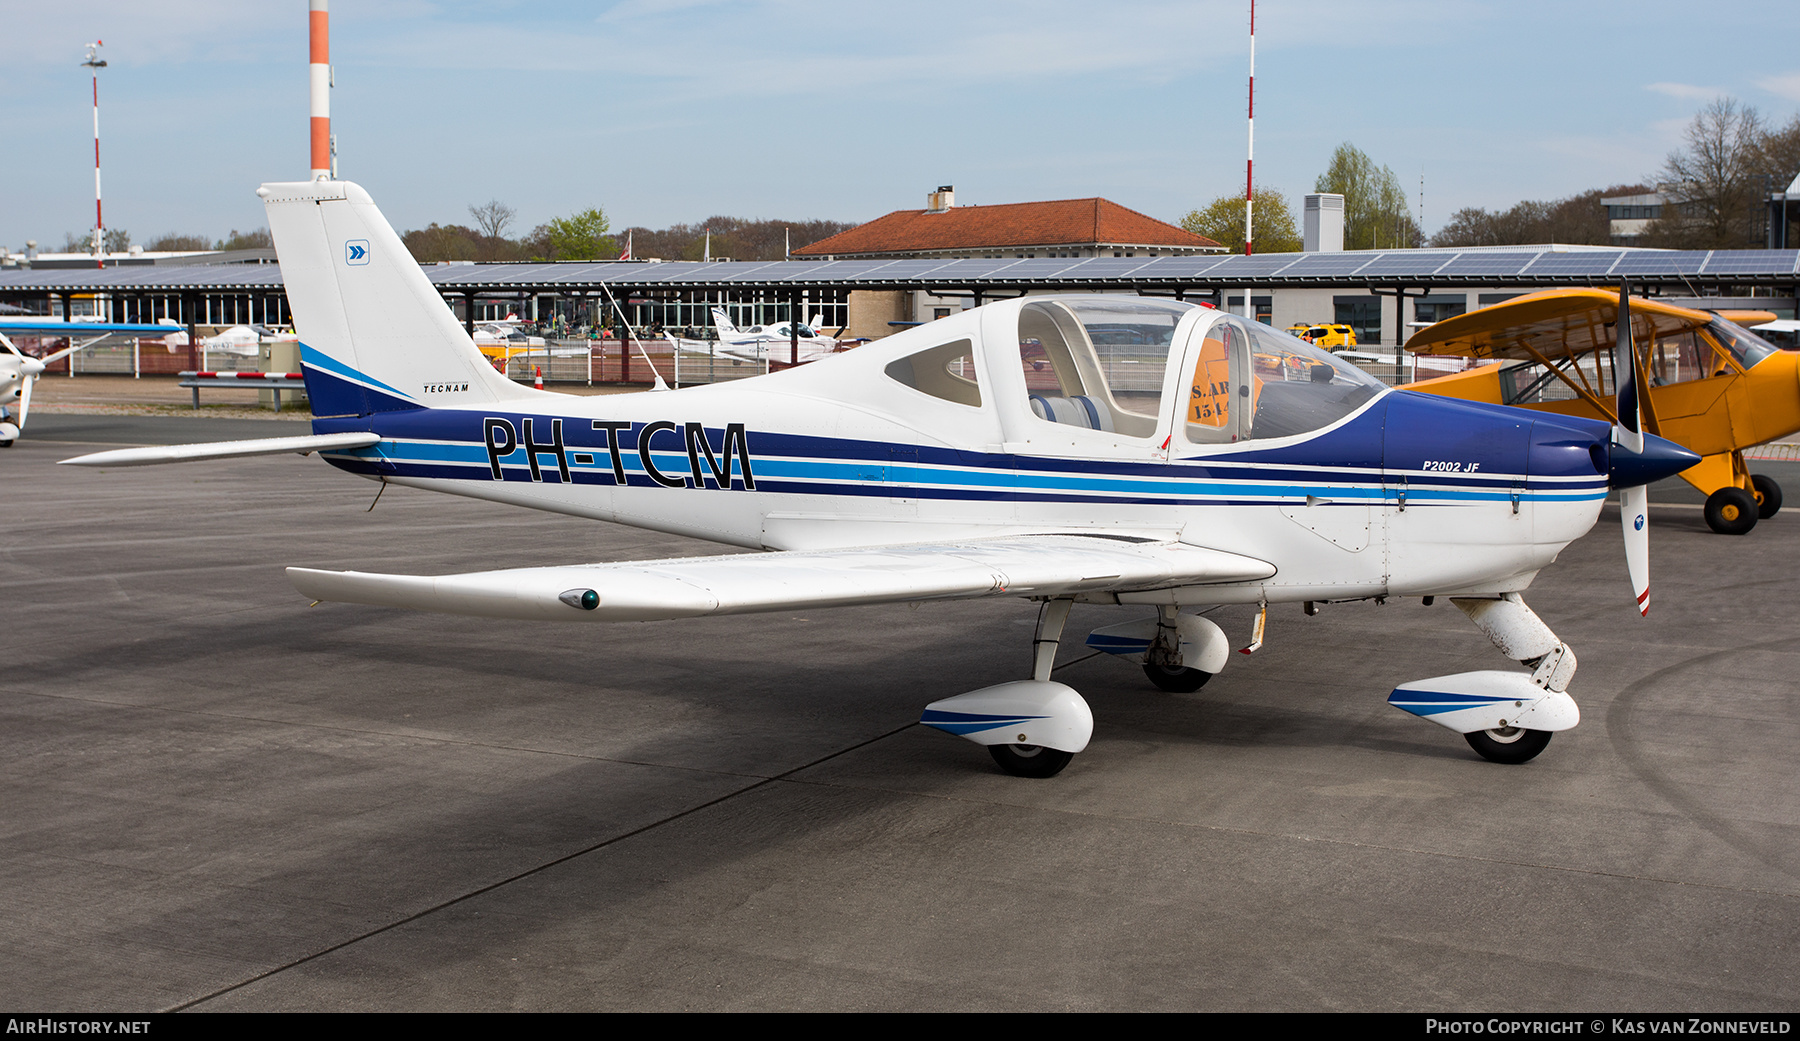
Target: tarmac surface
(214, 797)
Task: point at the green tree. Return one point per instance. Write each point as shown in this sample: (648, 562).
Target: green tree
(582, 236)
(1375, 212)
(1223, 221)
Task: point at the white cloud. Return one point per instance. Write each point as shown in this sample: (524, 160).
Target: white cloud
(1687, 91)
(1786, 85)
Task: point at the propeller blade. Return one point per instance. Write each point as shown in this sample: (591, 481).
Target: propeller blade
(1634, 518)
(1629, 430)
(26, 381)
(1628, 439)
(51, 359)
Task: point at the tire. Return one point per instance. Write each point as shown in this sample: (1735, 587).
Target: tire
(1030, 760)
(1177, 681)
(1770, 494)
(1731, 511)
(1510, 745)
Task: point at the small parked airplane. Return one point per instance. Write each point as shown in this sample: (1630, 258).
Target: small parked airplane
(1103, 449)
(774, 342)
(19, 371)
(243, 341)
(1710, 385)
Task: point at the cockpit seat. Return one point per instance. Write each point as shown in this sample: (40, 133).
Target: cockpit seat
(1078, 411)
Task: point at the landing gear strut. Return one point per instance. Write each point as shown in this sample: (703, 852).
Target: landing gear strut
(1031, 727)
(1507, 717)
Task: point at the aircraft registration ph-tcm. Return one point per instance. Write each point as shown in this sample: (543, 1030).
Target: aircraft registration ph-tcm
(1103, 449)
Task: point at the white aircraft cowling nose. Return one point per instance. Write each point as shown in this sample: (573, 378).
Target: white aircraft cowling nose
(1114, 450)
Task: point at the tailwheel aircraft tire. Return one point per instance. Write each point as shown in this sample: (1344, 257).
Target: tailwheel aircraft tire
(1770, 494)
(1177, 681)
(1731, 511)
(1030, 760)
(1511, 745)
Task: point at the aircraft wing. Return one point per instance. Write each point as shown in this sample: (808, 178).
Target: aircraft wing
(1023, 565)
(52, 327)
(1551, 322)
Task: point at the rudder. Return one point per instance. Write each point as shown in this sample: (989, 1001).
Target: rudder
(375, 336)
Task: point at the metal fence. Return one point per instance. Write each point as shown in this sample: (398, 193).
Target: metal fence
(150, 359)
(640, 362)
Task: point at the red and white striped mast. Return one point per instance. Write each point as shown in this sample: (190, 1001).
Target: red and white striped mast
(320, 80)
(1250, 153)
(95, 62)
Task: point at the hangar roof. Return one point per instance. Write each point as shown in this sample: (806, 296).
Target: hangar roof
(1410, 269)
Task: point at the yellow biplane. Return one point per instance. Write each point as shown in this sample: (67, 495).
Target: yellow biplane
(1709, 384)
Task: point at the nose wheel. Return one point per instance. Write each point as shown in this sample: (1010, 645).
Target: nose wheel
(1510, 745)
(1030, 760)
(1176, 680)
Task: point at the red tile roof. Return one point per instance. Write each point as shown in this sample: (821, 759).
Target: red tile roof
(1064, 222)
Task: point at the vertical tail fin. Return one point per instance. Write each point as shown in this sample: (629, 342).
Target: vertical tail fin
(374, 334)
(723, 322)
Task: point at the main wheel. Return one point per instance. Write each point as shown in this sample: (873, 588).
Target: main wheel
(1177, 681)
(1508, 744)
(1030, 760)
(1770, 494)
(1731, 511)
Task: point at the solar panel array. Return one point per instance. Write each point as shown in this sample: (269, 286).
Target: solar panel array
(1416, 268)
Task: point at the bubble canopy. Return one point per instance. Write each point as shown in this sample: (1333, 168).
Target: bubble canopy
(1106, 362)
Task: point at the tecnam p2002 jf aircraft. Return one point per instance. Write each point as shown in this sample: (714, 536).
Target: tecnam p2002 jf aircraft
(1102, 449)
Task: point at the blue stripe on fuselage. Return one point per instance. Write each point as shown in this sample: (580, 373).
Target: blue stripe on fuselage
(1344, 463)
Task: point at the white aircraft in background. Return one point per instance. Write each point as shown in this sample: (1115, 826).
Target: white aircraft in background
(19, 371)
(775, 342)
(1103, 449)
(242, 341)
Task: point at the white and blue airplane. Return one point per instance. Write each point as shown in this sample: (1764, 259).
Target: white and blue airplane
(19, 372)
(774, 342)
(1122, 450)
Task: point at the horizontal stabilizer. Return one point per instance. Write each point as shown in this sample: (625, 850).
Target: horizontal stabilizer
(1040, 565)
(223, 450)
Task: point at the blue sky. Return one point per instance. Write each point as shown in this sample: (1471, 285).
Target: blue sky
(666, 111)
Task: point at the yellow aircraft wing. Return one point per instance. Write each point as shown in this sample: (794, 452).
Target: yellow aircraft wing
(1551, 324)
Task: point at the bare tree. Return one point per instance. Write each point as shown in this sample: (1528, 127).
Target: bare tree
(1714, 181)
(1781, 153)
(1576, 219)
(493, 218)
(174, 242)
